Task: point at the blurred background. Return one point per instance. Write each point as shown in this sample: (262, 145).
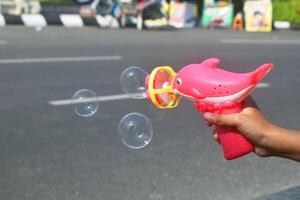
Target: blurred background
(51, 49)
(253, 15)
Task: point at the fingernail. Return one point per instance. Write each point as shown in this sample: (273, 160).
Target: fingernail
(208, 116)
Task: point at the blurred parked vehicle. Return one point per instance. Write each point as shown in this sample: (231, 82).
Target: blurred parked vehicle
(143, 13)
(102, 7)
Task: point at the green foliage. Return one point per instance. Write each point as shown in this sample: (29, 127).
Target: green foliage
(286, 10)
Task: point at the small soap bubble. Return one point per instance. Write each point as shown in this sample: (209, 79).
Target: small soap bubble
(135, 130)
(84, 103)
(133, 82)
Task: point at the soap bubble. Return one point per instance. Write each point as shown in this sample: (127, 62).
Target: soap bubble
(84, 103)
(135, 130)
(133, 82)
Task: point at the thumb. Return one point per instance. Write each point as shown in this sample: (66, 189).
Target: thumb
(223, 120)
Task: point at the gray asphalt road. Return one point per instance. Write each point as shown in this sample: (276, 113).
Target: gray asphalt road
(49, 153)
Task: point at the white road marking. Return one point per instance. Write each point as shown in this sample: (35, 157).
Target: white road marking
(59, 59)
(115, 97)
(259, 41)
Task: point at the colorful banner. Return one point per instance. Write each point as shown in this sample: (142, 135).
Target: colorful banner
(217, 16)
(183, 15)
(258, 16)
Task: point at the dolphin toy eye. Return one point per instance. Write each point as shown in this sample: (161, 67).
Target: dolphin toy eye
(178, 81)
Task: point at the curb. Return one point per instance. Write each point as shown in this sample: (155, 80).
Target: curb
(285, 25)
(66, 20)
(282, 25)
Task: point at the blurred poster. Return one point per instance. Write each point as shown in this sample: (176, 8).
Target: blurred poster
(217, 16)
(258, 16)
(183, 15)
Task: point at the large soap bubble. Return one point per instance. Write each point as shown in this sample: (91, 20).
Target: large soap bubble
(135, 130)
(84, 103)
(133, 82)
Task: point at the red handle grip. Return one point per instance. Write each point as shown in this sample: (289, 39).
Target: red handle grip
(234, 144)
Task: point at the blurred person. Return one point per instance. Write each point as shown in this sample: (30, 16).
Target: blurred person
(268, 139)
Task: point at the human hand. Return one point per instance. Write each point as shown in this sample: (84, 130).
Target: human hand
(250, 123)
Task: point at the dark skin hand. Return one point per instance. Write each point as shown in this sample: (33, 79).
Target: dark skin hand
(268, 139)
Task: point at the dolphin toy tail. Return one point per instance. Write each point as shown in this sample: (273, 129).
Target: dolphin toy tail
(261, 72)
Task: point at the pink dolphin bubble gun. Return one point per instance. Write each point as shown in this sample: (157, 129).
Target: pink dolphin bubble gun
(212, 90)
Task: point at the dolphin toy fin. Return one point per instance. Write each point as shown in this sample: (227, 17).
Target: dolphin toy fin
(261, 72)
(211, 63)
